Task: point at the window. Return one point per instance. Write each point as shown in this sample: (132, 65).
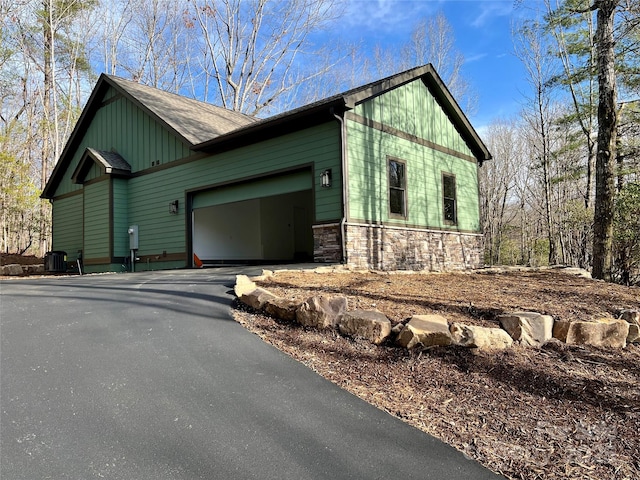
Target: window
(397, 188)
(449, 199)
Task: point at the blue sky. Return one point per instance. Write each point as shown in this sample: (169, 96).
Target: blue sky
(483, 34)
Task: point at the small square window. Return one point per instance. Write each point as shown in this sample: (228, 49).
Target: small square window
(449, 199)
(397, 189)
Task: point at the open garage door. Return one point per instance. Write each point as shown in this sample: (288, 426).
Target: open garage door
(262, 220)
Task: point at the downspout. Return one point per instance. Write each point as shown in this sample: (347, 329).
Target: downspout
(343, 176)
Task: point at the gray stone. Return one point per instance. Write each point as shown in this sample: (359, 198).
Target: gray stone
(528, 328)
(321, 311)
(480, 337)
(12, 269)
(604, 333)
(256, 298)
(281, 308)
(35, 269)
(425, 330)
(371, 325)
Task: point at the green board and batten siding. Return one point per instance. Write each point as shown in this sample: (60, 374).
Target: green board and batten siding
(96, 221)
(120, 199)
(67, 225)
(369, 148)
(144, 198)
(121, 126)
(151, 194)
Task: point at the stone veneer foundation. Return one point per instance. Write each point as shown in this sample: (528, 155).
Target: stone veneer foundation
(392, 248)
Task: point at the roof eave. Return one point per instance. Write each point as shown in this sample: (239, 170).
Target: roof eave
(292, 121)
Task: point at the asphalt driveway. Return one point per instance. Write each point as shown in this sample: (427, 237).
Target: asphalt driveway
(146, 376)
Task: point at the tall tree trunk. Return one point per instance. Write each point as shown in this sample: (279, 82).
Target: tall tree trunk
(46, 100)
(607, 132)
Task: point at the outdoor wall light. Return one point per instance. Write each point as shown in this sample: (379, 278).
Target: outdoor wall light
(326, 178)
(173, 207)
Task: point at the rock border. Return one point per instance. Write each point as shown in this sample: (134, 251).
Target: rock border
(528, 329)
(16, 270)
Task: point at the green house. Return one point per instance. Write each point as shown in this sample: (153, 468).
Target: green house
(384, 176)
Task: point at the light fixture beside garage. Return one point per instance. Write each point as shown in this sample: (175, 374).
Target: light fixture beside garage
(326, 178)
(173, 207)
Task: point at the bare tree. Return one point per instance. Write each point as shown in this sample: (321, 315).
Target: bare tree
(252, 50)
(432, 41)
(532, 52)
(498, 183)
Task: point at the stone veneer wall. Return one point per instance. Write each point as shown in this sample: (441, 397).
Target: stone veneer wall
(391, 248)
(326, 243)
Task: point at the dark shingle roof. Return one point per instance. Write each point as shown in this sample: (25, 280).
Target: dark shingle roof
(111, 163)
(193, 120)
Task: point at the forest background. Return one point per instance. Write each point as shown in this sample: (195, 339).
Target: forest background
(563, 186)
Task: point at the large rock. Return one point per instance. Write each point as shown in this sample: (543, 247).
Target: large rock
(425, 330)
(604, 333)
(35, 269)
(281, 308)
(560, 329)
(243, 285)
(480, 337)
(256, 298)
(321, 311)
(371, 325)
(12, 269)
(528, 328)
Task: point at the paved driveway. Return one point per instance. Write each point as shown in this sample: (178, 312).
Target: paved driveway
(146, 376)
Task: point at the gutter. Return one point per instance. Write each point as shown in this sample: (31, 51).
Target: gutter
(343, 165)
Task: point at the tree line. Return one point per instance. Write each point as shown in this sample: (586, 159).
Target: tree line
(565, 182)
(557, 190)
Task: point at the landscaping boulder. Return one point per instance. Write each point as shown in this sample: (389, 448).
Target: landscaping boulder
(256, 298)
(425, 330)
(608, 333)
(560, 329)
(371, 325)
(12, 269)
(528, 328)
(480, 337)
(281, 308)
(321, 311)
(35, 269)
(243, 285)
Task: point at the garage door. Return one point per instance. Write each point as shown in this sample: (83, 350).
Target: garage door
(289, 183)
(265, 220)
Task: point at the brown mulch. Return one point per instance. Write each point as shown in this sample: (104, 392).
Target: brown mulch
(559, 412)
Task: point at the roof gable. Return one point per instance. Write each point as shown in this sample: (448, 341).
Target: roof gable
(109, 162)
(324, 110)
(208, 128)
(189, 120)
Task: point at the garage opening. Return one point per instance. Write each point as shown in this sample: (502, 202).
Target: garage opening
(269, 220)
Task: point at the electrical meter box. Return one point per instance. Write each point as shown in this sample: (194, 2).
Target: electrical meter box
(133, 237)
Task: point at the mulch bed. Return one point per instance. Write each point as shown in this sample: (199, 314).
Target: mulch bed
(559, 412)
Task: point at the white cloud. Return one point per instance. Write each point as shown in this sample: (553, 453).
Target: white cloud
(387, 15)
(475, 58)
(492, 9)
